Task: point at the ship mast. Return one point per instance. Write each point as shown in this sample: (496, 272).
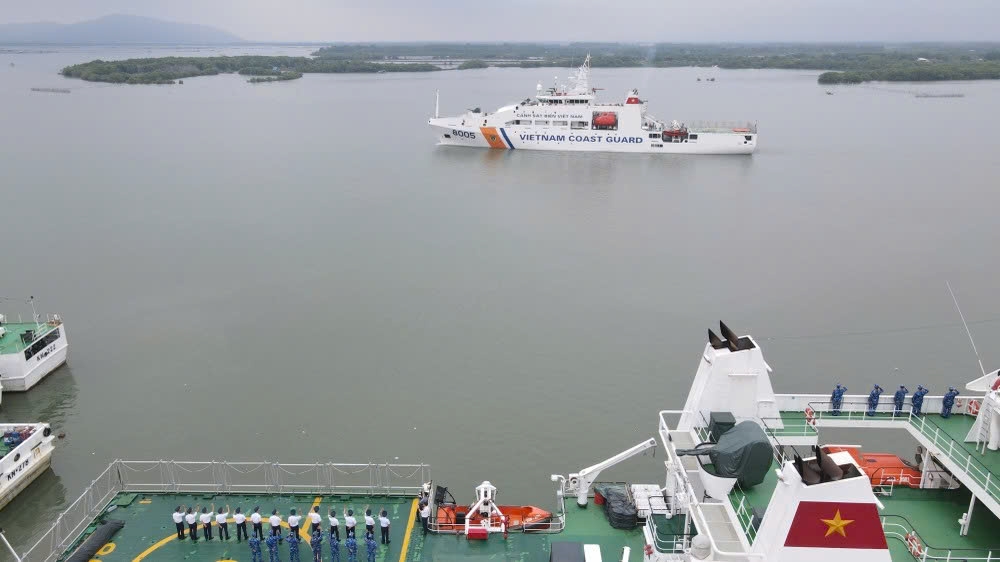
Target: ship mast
(581, 79)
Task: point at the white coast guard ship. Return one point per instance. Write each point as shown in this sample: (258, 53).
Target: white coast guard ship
(30, 350)
(571, 118)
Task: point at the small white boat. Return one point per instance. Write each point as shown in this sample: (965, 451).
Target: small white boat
(30, 350)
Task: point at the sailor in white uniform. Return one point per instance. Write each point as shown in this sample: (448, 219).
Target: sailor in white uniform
(383, 521)
(206, 522)
(334, 524)
(192, 521)
(241, 524)
(425, 515)
(258, 530)
(349, 523)
(293, 523)
(369, 522)
(179, 522)
(221, 521)
(316, 519)
(275, 523)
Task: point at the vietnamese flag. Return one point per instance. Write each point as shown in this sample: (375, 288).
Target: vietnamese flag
(836, 525)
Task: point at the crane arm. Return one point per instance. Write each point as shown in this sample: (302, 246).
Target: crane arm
(581, 482)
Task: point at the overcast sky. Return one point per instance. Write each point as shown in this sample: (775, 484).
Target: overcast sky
(551, 20)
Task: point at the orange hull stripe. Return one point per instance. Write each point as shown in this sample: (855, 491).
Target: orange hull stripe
(493, 137)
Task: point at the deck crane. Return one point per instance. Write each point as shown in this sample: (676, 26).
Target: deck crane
(581, 482)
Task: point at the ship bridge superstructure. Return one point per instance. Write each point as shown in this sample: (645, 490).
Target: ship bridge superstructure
(926, 504)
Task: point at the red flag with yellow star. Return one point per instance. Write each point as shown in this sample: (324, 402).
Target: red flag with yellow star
(836, 525)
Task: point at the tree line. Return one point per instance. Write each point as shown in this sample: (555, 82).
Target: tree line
(165, 70)
(846, 64)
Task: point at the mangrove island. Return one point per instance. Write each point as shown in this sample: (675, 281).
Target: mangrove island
(840, 63)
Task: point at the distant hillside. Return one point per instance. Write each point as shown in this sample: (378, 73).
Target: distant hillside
(115, 29)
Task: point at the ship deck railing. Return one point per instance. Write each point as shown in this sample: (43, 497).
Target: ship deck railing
(898, 528)
(952, 447)
(712, 519)
(667, 543)
(11, 341)
(221, 477)
(721, 126)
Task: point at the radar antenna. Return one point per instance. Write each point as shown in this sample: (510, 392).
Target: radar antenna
(967, 331)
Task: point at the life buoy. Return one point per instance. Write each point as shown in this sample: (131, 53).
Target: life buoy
(913, 544)
(810, 416)
(648, 550)
(996, 384)
(973, 408)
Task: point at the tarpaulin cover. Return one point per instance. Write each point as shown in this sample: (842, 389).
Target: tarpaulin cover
(743, 452)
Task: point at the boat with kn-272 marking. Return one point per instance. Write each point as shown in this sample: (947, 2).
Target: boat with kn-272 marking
(570, 118)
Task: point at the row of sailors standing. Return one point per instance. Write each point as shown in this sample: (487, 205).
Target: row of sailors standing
(180, 517)
(191, 517)
(898, 399)
(316, 544)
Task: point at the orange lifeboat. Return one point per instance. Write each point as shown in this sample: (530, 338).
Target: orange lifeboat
(606, 119)
(451, 518)
(882, 469)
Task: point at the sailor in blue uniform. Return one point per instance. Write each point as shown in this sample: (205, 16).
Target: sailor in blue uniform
(837, 398)
(948, 402)
(335, 547)
(255, 554)
(317, 545)
(898, 398)
(371, 546)
(272, 548)
(918, 399)
(293, 547)
(873, 399)
(352, 548)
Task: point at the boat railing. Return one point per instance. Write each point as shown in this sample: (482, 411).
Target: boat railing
(744, 512)
(789, 428)
(558, 521)
(724, 126)
(666, 542)
(222, 477)
(856, 410)
(885, 478)
(899, 528)
(958, 454)
(723, 548)
(943, 441)
(72, 522)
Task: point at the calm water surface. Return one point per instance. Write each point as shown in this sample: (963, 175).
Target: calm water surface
(294, 271)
